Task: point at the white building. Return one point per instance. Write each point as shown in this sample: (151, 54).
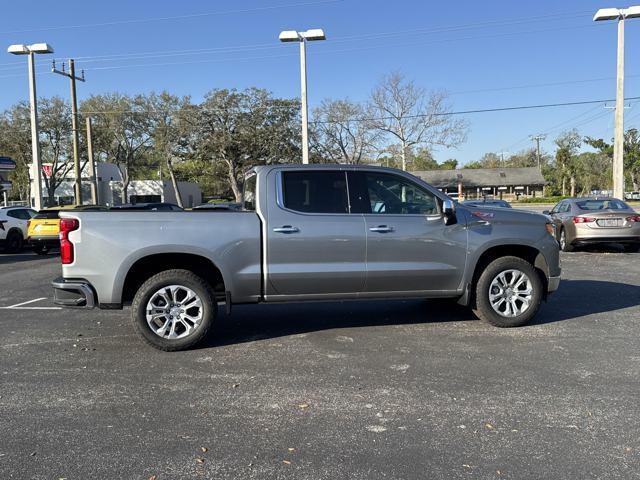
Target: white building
(110, 189)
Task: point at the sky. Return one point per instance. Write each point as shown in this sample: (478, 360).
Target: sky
(489, 54)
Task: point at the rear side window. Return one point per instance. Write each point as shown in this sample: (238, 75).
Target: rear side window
(315, 191)
(249, 193)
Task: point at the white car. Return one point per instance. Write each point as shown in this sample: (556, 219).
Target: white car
(13, 227)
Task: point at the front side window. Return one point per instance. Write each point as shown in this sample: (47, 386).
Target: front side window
(315, 191)
(385, 193)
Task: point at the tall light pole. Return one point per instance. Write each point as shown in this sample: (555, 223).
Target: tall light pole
(32, 50)
(619, 14)
(303, 38)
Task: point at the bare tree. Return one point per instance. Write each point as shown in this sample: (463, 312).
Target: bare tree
(342, 133)
(401, 109)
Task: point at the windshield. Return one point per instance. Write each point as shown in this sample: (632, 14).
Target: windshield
(611, 204)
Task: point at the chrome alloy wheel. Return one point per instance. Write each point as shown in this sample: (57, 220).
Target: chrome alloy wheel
(510, 293)
(174, 312)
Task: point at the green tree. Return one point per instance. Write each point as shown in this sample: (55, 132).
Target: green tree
(241, 129)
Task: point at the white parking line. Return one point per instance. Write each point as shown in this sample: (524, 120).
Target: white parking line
(24, 303)
(30, 308)
(20, 306)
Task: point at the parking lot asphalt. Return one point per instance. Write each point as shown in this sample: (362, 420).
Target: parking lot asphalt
(358, 390)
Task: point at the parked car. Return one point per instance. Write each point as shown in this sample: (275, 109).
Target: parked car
(156, 207)
(44, 227)
(13, 227)
(592, 220)
(487, 202)
(307, 232)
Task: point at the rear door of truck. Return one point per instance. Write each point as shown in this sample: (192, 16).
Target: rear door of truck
(314, 245)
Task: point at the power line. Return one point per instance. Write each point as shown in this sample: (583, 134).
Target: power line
(175, 17)
(486, 110)
(368, 119)
(351, 38)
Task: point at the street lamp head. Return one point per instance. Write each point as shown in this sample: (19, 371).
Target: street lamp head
(314, 34)
(309, 35)
(617, 13)
(18, 49)
(21, 49)
(41, 48)
(289, 36)
(632, 12)
(607, 14)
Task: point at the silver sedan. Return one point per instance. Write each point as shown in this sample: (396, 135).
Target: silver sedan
(583, 221)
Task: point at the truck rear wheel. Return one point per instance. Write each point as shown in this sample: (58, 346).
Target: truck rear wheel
(174, 310)
(508, 292)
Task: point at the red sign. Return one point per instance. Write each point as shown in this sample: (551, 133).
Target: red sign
(46, 169)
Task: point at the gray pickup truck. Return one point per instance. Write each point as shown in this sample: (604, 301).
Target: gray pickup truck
(304, 233)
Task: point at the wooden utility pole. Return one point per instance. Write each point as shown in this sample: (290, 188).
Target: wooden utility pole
(77, 187)
(92, 166)
(537, 138)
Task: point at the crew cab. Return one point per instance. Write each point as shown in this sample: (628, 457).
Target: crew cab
(306, 233)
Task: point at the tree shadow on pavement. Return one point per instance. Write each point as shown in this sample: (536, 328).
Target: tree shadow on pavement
(574, 299)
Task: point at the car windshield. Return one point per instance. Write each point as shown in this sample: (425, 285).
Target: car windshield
(612, 204)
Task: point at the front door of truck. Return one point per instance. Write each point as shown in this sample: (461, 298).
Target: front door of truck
(314, 248)
(409, 247)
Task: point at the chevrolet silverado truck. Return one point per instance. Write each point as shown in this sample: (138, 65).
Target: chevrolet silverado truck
(306, 233)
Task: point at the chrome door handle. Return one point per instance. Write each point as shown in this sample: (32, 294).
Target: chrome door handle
(286, 229)
(381, 229)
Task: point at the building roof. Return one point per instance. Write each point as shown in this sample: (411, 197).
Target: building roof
(483, 177)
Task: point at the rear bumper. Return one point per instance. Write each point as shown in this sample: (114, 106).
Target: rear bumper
(606, 239)
(47, 241)
(73, 293)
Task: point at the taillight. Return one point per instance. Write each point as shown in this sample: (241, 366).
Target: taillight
(583, 219)
(633, 218)
(66, 247)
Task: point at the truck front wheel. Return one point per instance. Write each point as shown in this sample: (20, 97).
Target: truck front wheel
(174, 310)
(508, 292)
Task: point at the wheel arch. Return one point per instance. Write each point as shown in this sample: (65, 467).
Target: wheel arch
(528, 253)
(147, 266)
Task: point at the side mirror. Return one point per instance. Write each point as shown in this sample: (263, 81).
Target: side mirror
(449, 212)
(546, 212)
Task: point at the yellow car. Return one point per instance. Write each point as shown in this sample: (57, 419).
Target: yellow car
(43, 229)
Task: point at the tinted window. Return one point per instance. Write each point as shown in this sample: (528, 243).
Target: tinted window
(14, 213)
(315, 192)
(384, 193)
(48, 214)
(612, 204)
(249, 194)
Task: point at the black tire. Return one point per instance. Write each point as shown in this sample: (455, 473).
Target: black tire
(183, 278)
(14, 242)
(632, 248)
(565, 246)
(41, 249)
(483, 308)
